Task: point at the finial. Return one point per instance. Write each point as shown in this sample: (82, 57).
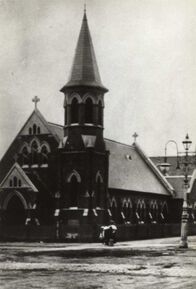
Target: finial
(135, 135)
(35, 100)
(84, 17)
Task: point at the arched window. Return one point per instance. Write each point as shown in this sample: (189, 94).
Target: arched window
(164, 212)
(73, 196)
(19, 183)
(89, 111)
(141, 212)
(15, 181)
(113, 210)
(100, 118)
(38, 130)
(25, 156)
(74, 111)
(127, 210)
(34, 129)
(30, 130)
(154, 212)
(11, 183)
(34, 152)
(44, 154)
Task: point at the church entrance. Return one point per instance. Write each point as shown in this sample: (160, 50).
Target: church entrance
(15, 213)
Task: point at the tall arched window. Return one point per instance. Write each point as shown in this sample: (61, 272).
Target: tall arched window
(34, 152)
(25, 156)
(34, 129)
(164, 213)
(141, 212)
(30, 130)
(153, 213)
(74, 111)
(127, 210)
(19, 183)
(89, 111)
(44, 154)
(15, 181)
(100, 118)
(73, 196)
(113, 210)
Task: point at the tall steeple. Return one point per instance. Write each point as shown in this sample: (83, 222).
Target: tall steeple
(85, 70)
(84, 95)
(83, 156)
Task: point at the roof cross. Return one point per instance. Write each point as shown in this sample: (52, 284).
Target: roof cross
(135, 135)
(35, 100)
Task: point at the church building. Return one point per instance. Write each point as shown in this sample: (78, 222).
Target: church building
(69, 177)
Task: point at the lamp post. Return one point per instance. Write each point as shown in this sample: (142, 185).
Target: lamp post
(184, 220)
(164, 167)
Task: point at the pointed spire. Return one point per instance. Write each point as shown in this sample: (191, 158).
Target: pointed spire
(84, 71)
(85, 9)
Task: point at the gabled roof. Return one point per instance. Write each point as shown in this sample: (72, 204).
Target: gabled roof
(7, 159)
(17, 171)
(85, 70)
(36, 116)
(130, 169)
(137, 174)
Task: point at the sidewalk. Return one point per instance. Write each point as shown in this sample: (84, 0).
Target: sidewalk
(98, 249)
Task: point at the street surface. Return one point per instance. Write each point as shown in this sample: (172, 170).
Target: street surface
(137, 264)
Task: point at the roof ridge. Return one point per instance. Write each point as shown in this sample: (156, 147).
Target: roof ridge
(56, 124)
(115, 141)
(161, 178)
(22, 172)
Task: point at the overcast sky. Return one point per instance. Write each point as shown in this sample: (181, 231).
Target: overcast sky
(146, 53)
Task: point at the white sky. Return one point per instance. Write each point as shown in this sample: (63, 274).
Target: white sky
(146, 53)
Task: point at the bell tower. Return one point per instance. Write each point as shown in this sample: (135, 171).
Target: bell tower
(83, 157)
(84, 94)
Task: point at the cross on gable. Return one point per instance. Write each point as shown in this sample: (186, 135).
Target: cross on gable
(35, 100)
(135, 135)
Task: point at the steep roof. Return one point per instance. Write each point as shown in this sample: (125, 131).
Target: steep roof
(131, 169)
(136, 174)
(38, 118)
(57, 130)
(85, 70)
(17, 171)
(7, 159)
